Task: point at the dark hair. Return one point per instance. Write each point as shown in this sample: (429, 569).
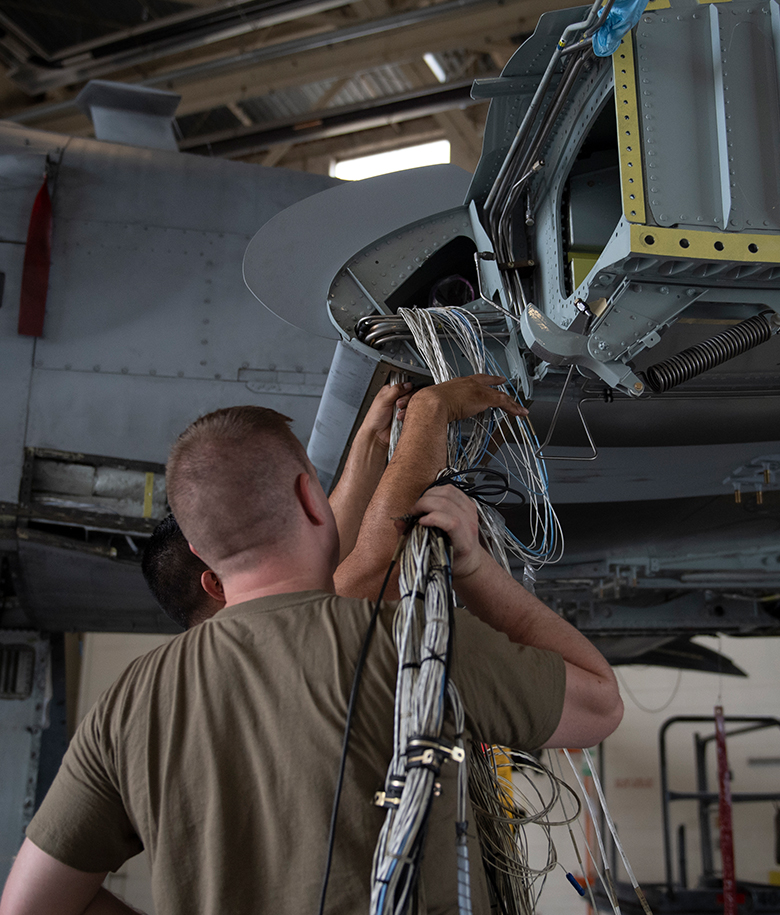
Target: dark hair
(173, 572)
(230, 480)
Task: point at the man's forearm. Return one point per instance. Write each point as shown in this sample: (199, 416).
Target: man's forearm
(420, 454)
(362, 472)
(492, 595)
(592, 705)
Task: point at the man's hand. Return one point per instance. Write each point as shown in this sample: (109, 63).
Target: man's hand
(379, 419)
(420, 455)
(461, 398)
(451, 510)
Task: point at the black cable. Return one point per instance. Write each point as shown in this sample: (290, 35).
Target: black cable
(480, 492)
(351, 708)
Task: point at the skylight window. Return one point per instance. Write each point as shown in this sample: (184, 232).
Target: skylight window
(395, 161)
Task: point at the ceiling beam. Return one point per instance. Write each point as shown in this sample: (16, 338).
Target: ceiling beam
(331, 122)
(336, 55)
(154, 40)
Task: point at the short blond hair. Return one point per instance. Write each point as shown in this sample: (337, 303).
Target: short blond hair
(230, 479)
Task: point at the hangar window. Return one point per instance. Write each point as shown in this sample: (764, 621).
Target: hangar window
(396, 160)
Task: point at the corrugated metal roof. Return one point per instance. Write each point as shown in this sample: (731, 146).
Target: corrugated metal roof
(54, 25)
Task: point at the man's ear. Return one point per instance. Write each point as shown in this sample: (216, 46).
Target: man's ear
(307, 494)
(212, 585)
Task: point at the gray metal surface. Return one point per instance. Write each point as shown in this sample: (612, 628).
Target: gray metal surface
(724, 122)
(67, 589)
(290, 262)
(21, 723)
(349, 380)
(21, 175)
(160, 300)
(130, 114)
(684, 149)
(641, 474)
(139, 417)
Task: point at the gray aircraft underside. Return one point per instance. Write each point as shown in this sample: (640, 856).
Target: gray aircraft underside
(149, 324)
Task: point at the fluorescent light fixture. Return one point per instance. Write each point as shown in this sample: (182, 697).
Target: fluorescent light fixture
(435, 67)
(395, 161)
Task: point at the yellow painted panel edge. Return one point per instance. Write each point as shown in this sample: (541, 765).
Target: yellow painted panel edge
(712, 246)
(632, 186)
(661, 5)
(148, 494)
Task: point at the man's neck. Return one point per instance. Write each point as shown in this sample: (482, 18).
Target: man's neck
(248, 586)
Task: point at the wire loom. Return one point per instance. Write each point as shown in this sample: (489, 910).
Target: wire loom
(423, 636)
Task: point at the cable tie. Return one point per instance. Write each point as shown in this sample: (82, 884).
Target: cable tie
(417, 595)
(434, 657)
(381, 799)
(435, 751)
(391, 796)
(411, 665)
(429, 759)
(461, 828)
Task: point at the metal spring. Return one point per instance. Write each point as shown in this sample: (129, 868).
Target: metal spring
(706, 355)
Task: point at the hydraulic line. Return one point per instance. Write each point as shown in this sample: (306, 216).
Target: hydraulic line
(706, 355)
(530, 115)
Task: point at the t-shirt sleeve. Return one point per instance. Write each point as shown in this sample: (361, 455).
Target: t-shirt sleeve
(82, 821)
(512, 694)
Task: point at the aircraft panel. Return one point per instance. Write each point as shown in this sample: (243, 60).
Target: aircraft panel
(107, 182)
(683, 149)
(21, 175)
(162, 301)
(642, 474)
(66, 589)
(15, 372)
(124, 416)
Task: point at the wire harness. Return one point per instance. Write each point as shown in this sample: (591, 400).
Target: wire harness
(423, 636)
(469, 442)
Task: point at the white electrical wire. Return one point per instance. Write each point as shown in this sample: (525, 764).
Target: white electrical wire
(546, 542)
(422, 636)
(618, 844)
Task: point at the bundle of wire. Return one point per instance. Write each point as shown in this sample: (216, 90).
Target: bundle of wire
(468, 447)
(503, 811)
(422, 632)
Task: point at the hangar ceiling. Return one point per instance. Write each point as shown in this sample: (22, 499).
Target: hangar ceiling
(295, 83)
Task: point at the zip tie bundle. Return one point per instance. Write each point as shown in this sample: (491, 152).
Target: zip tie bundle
(422, 633)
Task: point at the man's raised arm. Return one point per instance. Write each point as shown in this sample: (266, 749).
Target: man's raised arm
(592, 706)
(365, 464)
(419, 456)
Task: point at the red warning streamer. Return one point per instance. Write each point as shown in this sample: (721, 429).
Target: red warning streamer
(724, 815)
(35, 271)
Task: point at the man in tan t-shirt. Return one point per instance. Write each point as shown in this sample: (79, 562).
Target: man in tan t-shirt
(217, 752)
